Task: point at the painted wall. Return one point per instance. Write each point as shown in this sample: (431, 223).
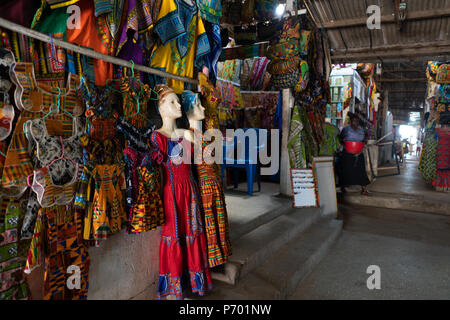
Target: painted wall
(124, 267)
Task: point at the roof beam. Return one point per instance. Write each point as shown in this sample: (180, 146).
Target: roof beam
(403, 70)
(406, 91)
(404, 80)
(371, 56)
(411, 16)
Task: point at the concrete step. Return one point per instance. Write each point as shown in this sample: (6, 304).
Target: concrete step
(294, 262)
(255, 247)
(278, 276)
(279, 206)
(398, 201)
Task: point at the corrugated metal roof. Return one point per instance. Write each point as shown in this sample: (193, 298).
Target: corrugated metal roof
(349, 38)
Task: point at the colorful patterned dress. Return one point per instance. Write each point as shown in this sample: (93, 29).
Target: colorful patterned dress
(58, 241)
(210, 187)
(182, 253)
(184, 42)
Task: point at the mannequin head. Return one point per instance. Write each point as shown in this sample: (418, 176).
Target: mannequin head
(192, 105)
(168, 104)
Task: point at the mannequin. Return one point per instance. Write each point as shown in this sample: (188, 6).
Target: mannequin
(210, 188)
(183, 244)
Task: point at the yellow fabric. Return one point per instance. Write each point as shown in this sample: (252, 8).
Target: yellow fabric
(167, 56)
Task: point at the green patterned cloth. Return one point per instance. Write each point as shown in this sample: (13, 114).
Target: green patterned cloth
(427, 165)
(296, 148)
(330, 143)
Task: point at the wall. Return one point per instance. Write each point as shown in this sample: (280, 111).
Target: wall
(324, 168)
(124, 267)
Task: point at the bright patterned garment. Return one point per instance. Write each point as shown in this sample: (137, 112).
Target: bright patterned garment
(182, 253)
(184, 42)
(12, 251)
(35, 100)
(145, 205)
(214, 211)
(58, 241)
(442, 180)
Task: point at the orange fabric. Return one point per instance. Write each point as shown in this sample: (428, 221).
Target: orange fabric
(88, 36)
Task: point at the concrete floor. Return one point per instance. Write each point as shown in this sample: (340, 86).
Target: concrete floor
(409, 182)
(412, 250)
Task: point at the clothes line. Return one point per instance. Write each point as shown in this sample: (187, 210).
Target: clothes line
(89, 52)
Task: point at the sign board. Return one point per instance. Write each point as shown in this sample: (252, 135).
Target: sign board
(304, 188)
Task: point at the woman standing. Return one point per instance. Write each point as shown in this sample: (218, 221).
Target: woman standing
(352, 165)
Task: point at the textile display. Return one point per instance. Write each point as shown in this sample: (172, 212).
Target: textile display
(80, 157)
(442, 180)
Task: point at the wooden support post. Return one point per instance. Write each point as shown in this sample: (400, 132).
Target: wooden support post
(285, 183)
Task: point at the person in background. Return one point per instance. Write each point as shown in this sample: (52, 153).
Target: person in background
(352, 167)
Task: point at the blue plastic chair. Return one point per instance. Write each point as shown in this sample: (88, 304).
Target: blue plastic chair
(244, 162)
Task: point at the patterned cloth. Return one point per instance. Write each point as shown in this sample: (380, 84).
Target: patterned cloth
(12, 251)
(210, 10)
(58, 241)
(214, 210)
(442, 180)
(183, 248)
(143, 199)
(330, 143)
(35, 104)
(184, 43)
(427, 164)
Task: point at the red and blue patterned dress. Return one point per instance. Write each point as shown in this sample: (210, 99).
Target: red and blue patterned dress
(183, 249)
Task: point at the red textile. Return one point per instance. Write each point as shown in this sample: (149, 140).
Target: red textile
(442, 179)
(182, 252)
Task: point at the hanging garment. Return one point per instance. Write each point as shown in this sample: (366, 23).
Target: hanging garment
(131, 98)
(210, 100)
(330, 143)
(215, 41)
(94, 34)
(427, 163)
(442, 180)
(214, 209)
(143, 199)
(183, 245)
(295, 145)
(53, 23)
(210, 10)
(139, 18)
(57, 241)
(184, 42)
(13, 285)
(108, 216)
(36, 100)
(61, 157)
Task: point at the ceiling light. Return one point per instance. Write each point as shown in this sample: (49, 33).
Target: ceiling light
(280, 10)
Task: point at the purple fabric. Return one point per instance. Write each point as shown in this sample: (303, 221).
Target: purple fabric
(19, 11)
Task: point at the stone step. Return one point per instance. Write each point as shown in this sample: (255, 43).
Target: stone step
(294, 262)
(279, 206)
(398, 201)
(255, 247)
(278, 276)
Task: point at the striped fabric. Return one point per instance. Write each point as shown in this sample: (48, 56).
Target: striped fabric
(36, 102)
(214, 212)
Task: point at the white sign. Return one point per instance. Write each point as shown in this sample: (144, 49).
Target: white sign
(304, 188)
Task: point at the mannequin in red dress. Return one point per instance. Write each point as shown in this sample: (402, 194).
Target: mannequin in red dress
(183, 249)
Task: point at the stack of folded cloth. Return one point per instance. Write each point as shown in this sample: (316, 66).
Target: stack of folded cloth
(287, 68)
